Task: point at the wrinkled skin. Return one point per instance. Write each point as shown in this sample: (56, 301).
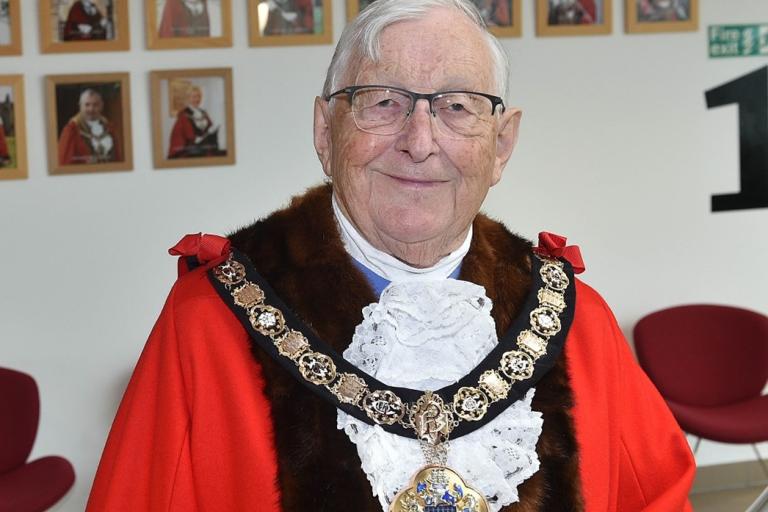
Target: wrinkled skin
(414, 194)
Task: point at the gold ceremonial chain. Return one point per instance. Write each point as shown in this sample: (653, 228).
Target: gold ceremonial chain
(435, 488)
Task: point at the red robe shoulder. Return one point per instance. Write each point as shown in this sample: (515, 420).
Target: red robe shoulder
(193, 431)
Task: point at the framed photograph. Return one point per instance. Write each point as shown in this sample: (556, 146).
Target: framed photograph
(13, 147)
(175, 24)
(501, 16)
(289, 22)
(83, 26)
(193, 120)
(10, 27)
(89, 123)
(662, 15)
(573, 17)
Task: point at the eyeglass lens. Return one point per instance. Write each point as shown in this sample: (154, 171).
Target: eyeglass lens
(385, 111)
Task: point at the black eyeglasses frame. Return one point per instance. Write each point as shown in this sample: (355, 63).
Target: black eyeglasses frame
(416, 96)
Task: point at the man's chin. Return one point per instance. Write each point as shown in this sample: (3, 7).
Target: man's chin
(414, 231)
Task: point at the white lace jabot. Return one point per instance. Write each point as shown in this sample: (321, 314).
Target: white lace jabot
(426, 335)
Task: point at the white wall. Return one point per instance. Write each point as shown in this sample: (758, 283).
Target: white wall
(617, 151)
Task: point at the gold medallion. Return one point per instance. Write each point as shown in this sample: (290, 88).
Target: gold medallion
(292, 344)
(230, 272)
(438, 488)
(267, 320)
(349, 389)
(317, 368)
(248, 295)
(431, 419)
(470, 403)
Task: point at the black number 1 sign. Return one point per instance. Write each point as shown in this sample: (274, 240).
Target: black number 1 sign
(750, 92)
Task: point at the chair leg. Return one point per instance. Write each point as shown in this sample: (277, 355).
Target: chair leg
(760, 459)
(696, 446)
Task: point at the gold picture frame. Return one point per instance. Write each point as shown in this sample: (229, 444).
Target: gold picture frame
(643, 17)
(89, 123)
(503, 17)
(573, 19)
(13, 35)
(280, 28)
(13, 140)
(170, 25)
(66, 27)
(187, 110)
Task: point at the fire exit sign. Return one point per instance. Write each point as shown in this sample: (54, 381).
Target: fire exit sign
(738, 40)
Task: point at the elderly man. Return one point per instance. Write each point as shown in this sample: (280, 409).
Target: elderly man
(381, 346)
(88, 138)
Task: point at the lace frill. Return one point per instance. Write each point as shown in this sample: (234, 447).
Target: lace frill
(426, 335)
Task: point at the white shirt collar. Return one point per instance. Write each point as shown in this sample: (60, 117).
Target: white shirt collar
(386, 265)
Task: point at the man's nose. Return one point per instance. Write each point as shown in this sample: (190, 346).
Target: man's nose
(418, 136)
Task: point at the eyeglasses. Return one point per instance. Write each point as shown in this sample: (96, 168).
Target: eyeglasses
(384, 110)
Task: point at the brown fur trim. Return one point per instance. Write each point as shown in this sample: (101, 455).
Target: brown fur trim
(299, 252)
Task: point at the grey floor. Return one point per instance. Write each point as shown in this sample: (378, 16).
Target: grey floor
(736, 500)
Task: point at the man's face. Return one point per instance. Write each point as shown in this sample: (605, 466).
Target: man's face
(195, 97)
(418, 185)
(91, 106)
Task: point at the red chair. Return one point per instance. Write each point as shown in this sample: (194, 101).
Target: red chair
(26, 486)
(710, 363)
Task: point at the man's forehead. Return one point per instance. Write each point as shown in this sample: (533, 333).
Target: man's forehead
(422, 53)
(429, 76)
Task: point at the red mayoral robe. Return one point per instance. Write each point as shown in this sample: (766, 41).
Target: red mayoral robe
(76, 146)
(495, 12)
(179, 21)
(3, 144)
(184, 134)
(209, 423)
(77, 16)
(304, 22)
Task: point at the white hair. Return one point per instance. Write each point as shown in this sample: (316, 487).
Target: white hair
(89, 92)
(360, 39)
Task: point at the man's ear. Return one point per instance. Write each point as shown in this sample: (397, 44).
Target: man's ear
(322, 134)
(506, 139)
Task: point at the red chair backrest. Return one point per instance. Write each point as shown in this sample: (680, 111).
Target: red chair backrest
(19, 415)
(704, 355)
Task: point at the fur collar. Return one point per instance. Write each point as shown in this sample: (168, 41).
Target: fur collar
(298, 250)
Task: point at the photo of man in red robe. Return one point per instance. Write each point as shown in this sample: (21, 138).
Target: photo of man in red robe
(89, 138)
(5, 23)
(663, 10)
(185, 18)
(194, 134)
(573, 12)
(85, 22)
(495, 12)
(290, 17)
(5, 156)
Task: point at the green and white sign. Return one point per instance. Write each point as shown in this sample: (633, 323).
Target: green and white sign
(738, 40)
